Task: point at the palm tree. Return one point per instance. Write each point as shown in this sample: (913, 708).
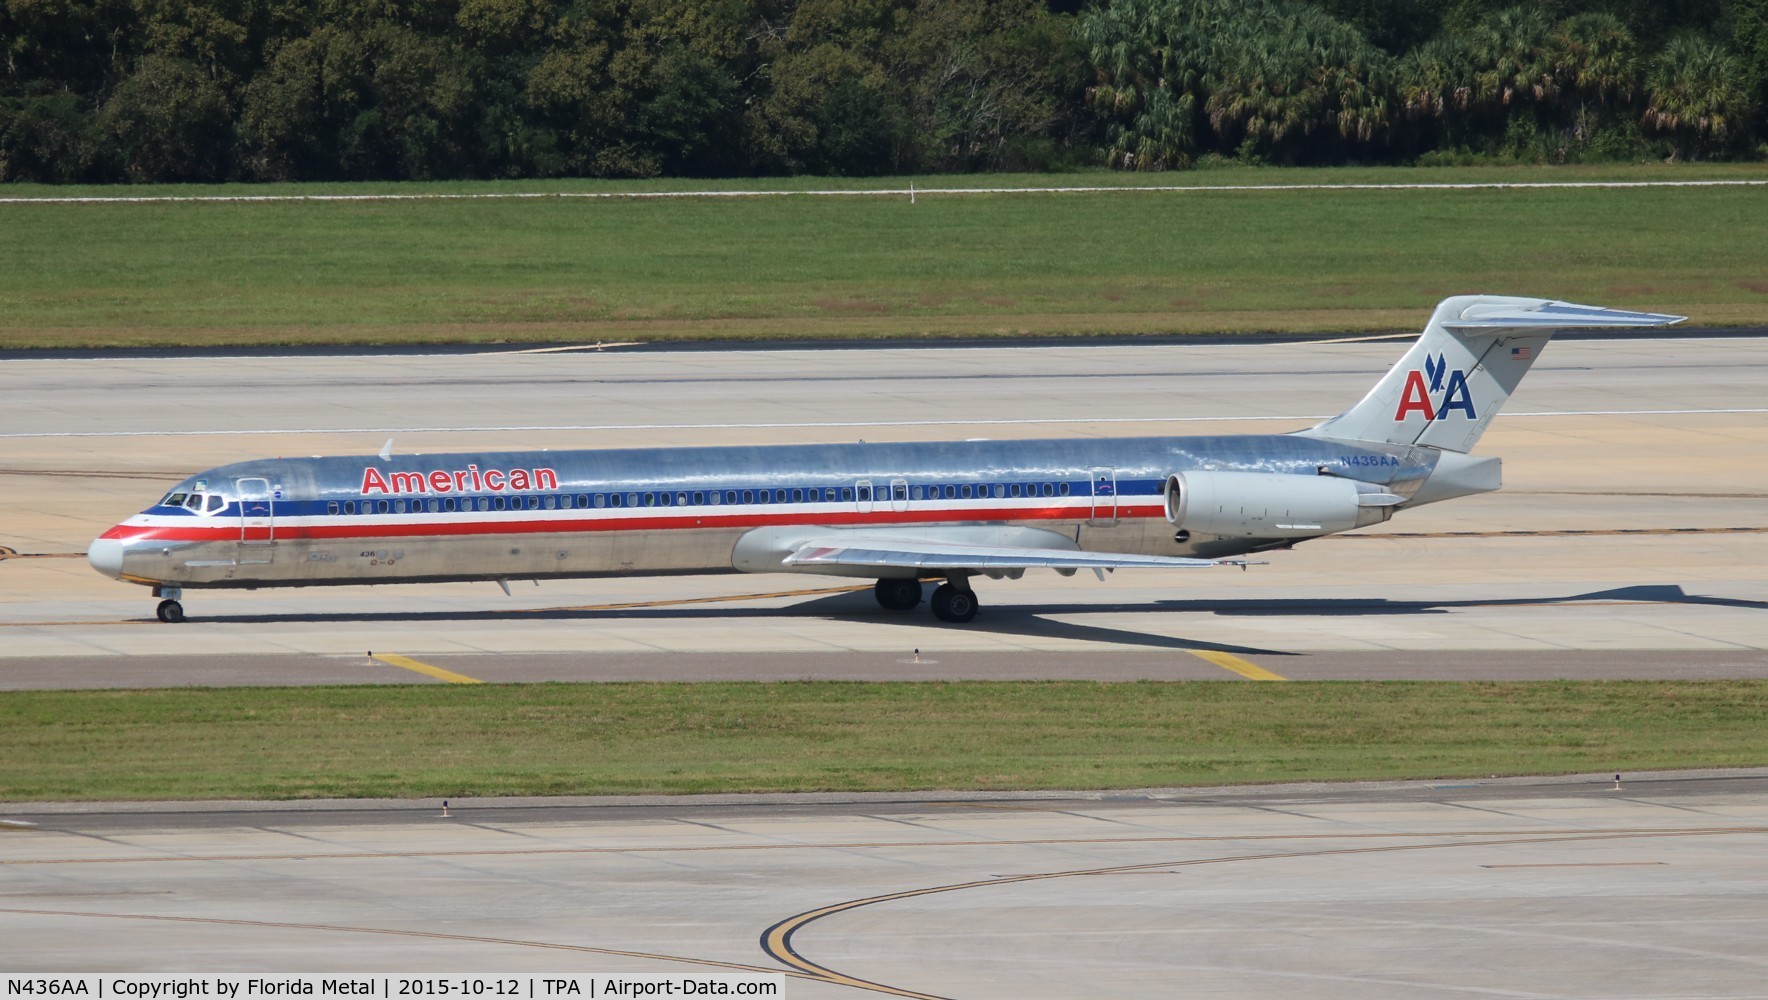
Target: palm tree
(1596, 59)
(1436, 78)
(1698, 95)
(1513, 52)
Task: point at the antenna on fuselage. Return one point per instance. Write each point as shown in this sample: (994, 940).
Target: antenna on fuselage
(387, 451)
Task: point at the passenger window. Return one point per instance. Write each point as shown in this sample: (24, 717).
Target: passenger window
(713, 496)
(914, 493)
(1016, 489)
(865, 493)
(565, 501)
(900, 491)
(999, 491)
(964, 491)
(332, 508)
(1049, 490)
(1063, 489)
(583, 500)
(797, 496)
(383, 506)
(951, 492)
(349, 506)
(398, 506)
(450, 506)
(601, 500)
(730, 496)
(552, 502)
(497, 502)
(699, 497)
(847, 493)
(748, 496)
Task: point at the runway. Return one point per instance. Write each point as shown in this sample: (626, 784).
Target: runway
(1515, 888)
(1631, 524)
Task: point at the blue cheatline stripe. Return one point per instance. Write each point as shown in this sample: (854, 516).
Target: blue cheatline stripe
(1077, 490)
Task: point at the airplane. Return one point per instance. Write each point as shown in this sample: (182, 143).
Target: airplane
(900, 514)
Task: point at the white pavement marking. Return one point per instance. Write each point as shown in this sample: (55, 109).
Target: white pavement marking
(1225, 418)
(877, 192)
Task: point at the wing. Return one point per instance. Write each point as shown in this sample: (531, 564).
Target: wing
(914, 553)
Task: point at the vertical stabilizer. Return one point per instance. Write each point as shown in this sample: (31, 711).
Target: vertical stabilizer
(1474, 351)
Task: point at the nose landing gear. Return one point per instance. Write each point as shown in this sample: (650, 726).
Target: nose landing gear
(170, 610)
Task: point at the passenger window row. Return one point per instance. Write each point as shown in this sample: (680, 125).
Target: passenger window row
(701, 498)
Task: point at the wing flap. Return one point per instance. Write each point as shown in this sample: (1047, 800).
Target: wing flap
(918, 554)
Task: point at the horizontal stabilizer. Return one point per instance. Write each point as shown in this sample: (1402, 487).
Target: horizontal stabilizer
(1552, 316)
(929, 555)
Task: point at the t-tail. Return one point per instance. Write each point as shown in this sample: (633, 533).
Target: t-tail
(1453, 381)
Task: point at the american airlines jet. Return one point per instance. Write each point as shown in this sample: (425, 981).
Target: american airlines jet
(898, 513)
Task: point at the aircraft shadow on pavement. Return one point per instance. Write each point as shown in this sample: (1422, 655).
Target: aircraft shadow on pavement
(1351, 606)
(1031, 621)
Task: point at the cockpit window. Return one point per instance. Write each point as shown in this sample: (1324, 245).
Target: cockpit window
(215, 502)
(174, 500)
(195, 502)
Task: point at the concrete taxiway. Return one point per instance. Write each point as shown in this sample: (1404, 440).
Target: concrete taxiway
(1517, 888)
(1634, 521)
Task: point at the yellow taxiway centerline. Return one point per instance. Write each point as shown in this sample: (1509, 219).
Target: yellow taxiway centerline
(1228, 661)
(406, 662)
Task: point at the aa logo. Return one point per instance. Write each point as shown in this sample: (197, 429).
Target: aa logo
(1418, 395)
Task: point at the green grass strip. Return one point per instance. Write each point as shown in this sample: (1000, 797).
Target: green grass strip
(577, 739)
(583, 271)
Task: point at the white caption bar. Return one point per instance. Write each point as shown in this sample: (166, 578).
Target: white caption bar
(262, 986)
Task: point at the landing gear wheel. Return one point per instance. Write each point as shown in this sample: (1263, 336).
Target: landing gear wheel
(170, 611)
(953, 605)
(897, 595)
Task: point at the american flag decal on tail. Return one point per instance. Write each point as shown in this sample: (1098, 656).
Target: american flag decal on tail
(1522, 353)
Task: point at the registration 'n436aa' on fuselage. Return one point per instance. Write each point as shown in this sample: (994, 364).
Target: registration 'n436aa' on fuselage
(902, 514)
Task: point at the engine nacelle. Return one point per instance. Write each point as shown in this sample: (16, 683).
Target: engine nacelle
(1273, 505)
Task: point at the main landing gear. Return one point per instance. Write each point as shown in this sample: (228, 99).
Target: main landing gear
(953, 601)
(954, 604)
(897, 594)
(170, 610)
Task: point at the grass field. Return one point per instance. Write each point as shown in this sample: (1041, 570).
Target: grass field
(203, 273)
(552, 739)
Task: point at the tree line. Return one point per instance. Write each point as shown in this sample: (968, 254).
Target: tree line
(262, 90)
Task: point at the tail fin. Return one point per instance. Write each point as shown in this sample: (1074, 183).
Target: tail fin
(1474, 351)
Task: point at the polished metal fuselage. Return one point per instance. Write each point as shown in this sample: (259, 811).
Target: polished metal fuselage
(302, 522)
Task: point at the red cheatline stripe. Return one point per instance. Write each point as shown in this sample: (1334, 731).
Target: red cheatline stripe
(406, 529)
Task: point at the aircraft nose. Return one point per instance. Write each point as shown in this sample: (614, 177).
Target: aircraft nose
(106, 556)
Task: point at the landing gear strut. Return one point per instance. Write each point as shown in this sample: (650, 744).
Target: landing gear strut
(954, 603)
(897, 594)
